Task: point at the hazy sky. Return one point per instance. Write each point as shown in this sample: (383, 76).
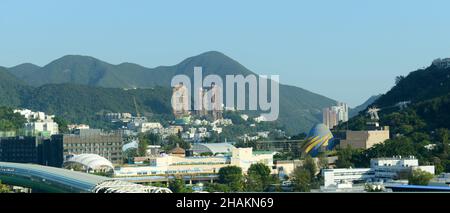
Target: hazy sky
(346, 50)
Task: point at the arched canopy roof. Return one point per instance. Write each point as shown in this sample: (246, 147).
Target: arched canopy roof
(213, 147)
(91, 161)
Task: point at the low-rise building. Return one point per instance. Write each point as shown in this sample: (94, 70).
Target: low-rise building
(381, 169)
(178, 164)
(365, 139)
(38, 123)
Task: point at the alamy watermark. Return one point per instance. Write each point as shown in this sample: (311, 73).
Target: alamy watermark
(212, 98)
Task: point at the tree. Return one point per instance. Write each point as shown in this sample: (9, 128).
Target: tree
(142, 146)
(344, 158)
(420, 177)
(154, 139)
(10, 121)
(172, 142)
(4, 188)
(62, 124)
(301, 180)
(177, 186)
(398, 79)
(323, 162)
(258, 178)
(310, 165)
(233, 177)
(217, 187)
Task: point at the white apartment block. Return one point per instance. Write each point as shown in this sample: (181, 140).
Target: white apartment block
(38, 122)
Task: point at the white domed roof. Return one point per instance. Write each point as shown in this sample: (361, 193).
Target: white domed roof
(91, 161)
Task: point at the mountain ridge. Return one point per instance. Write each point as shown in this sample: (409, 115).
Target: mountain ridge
(300, 109)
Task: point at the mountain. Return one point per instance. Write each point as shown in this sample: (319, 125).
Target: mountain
(420, 85)
(82, 104)
(426, 93)
(24, 70)
(299, 109)
(11, 89)
(421, 127)
(355, 111)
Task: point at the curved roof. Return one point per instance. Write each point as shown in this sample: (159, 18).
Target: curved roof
(92, 161)
(30, 175)
(213, 147)
(71, 181)
(134, 144)
(319, 136)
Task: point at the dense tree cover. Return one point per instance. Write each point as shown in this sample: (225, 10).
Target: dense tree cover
(4, 188)
(421, 129)
(10, 121)
(418, 86)
(62, 124)
(296, 104)
(12, 90)
(301, 179)
(177, 185)
(232, 177)
(306, 177)
(174, 141)
(412, 133)
(258, 178)
(419, 177)
(85, 104)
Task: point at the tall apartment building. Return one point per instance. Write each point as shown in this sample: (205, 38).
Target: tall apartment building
(180, 100)
(335, 114)
(94, 141)
(211, 102)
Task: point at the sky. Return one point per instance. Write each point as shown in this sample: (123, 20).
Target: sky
(347, 50)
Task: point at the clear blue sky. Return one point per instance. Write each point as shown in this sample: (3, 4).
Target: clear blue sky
(346, 50)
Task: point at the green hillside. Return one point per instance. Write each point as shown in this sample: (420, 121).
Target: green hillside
(299, 109)
(12, 90)
(84, 104)
(421, 129)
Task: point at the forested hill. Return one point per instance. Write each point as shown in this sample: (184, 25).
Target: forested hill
(300, 109)
(421, 128)
(82, 103)
(419, 85)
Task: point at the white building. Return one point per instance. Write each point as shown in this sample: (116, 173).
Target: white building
(38, 122)
(333, 177)
(149, 126)
(390, 168)
(38, 127)
(171, 164)
(77, 126)
(381, 169)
